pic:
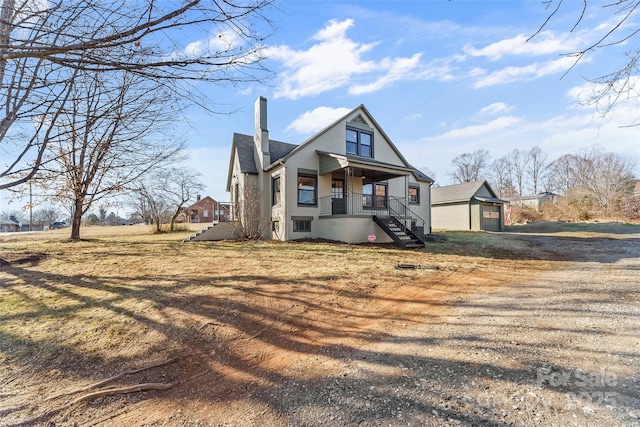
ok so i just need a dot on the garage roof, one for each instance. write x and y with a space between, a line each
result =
463 193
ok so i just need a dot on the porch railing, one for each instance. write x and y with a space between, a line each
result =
367 204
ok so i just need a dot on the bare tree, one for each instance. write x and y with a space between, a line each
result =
469 166
157 208
162 195
536 166
605 179
248 222
517 161
106 138
500 178
43 45
138 201
621 84
562 177
177 187
46 215
608 177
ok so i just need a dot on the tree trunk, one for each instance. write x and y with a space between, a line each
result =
76 220
172 225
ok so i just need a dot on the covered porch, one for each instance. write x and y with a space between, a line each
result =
367 188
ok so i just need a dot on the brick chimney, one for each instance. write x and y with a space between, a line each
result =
261 136
198 198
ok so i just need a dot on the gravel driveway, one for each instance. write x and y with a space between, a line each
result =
560 349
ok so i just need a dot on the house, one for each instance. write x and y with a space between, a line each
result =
535 202
13 224
468 206
203 210
347 182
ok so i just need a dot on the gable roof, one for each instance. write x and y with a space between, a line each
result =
200 202
243 146
463 193
358 119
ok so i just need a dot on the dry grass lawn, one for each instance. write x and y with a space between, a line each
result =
221 319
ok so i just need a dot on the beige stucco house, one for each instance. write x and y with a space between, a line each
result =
468 206
347 182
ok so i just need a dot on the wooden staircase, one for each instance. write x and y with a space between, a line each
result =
401 234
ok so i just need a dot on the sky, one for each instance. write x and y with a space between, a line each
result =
441 78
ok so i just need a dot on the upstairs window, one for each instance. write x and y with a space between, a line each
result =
359 142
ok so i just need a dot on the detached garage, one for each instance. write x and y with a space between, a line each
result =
468 206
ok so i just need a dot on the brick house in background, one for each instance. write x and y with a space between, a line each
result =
203 210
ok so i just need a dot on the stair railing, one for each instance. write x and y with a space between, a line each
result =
404 214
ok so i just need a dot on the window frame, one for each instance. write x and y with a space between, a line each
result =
417 197
274 180
314 202
298 222
358 143
373 196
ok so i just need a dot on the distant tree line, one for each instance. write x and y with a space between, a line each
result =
594 183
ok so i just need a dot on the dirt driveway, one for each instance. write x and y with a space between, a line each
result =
483 341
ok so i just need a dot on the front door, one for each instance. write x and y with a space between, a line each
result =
338 205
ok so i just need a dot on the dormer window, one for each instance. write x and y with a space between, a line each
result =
359 142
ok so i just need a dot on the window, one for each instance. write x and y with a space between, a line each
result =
359 143
276 195
302 225
337 189
381 196
307 189
367 195
205 213
374 195
414 195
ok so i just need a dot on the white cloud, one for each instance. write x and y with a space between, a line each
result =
569 134
526 73
543 44
628 87
316 119
397 69
495 108
335 60
475 131
222 42
194 49
326 65
558 135
413 117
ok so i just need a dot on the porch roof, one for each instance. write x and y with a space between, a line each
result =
374 169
